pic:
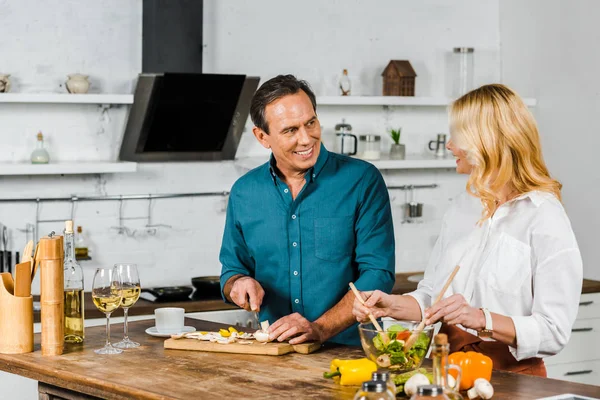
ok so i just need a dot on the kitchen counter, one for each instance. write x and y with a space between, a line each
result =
144 307
151 372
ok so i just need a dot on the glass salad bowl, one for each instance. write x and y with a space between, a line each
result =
389 352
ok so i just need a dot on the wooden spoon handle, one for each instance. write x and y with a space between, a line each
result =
384 335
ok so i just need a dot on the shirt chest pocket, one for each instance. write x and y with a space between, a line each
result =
334 238
508 265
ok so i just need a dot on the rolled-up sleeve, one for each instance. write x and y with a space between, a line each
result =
375 244
556 293
235 256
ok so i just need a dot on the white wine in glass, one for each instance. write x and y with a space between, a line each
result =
131 293
107 295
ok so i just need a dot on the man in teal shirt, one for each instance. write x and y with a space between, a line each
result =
303 226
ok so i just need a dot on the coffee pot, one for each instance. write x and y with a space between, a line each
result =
345 142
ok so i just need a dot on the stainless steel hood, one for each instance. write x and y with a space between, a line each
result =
179 113
187 117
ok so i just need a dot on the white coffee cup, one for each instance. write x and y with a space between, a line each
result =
169 319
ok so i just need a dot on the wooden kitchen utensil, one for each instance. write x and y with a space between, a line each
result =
23 279
16 319
384 336
27 251
50 256
35 262
268 349
415 334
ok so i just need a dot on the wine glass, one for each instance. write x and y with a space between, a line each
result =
107 295
131 293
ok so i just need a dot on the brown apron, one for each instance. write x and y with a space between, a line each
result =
502 358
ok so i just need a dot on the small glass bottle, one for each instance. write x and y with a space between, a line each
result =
429 392
81 248
463 67
40 155
439 354
374 390
385 376
73 291
344 84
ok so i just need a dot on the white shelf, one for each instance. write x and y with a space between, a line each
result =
66 98
392 101
412 161
67 168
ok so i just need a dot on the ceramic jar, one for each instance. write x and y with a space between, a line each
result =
4 83
78 83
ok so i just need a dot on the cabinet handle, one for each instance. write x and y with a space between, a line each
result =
583 372
582 329
586 303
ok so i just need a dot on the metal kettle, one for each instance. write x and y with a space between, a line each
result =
346 142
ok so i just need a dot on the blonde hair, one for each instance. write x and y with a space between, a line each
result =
501 139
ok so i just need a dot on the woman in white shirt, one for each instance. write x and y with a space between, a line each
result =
516 295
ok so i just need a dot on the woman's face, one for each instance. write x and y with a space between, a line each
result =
462 165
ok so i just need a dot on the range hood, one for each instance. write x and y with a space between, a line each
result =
179 113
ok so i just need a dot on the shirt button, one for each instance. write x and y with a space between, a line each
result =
296 273
314 175
293 216
285 190
296 301
294 244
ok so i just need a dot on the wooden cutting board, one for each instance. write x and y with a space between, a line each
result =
268 349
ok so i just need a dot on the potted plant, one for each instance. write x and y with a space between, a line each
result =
397 150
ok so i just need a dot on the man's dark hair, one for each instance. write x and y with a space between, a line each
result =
274 89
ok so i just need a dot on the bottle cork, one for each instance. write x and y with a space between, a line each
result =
440 339
69 226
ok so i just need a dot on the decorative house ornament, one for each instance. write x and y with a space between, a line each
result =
399 79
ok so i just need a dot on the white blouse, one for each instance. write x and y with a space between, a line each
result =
523 263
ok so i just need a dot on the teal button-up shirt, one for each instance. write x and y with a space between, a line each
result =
304 252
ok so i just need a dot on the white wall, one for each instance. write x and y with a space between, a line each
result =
45 41
549 52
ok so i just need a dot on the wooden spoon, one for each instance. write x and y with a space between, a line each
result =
413 337
384 336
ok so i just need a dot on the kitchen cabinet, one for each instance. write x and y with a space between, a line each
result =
74 167
579 361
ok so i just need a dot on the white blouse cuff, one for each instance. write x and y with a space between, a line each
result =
528 337
422 298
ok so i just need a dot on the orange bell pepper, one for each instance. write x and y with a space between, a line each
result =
473 365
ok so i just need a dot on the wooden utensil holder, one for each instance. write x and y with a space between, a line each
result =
16 319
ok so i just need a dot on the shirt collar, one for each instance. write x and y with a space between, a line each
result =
312 173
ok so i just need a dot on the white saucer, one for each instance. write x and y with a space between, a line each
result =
153 332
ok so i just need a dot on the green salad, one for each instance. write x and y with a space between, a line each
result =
392 355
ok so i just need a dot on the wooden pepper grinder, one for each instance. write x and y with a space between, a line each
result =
51 257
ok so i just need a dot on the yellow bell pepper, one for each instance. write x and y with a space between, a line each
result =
351 372
473 365
232 329
224 332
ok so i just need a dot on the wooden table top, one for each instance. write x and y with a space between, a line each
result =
151 372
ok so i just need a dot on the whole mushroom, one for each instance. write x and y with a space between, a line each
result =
411 385
481 389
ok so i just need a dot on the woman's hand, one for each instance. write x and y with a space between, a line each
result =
455 310
377 303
